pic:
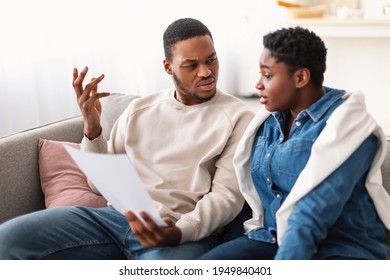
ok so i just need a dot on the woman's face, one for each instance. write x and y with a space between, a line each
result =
277 87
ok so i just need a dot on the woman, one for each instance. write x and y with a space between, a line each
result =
309 163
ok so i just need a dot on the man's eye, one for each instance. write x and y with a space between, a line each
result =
190 66
211 60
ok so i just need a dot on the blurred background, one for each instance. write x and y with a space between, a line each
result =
42 40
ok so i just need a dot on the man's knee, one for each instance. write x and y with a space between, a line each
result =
11 236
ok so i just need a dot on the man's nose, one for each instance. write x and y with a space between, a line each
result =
204 71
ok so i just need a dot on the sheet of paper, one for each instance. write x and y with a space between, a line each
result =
117 180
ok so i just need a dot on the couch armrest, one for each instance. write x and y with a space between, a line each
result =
20 188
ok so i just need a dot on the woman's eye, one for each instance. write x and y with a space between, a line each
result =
267 76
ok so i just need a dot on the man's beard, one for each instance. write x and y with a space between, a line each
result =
180 86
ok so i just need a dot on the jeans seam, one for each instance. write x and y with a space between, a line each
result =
125 247
72 245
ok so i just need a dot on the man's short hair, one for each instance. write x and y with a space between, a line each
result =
299 48
183 29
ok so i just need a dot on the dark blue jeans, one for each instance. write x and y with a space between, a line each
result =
84 233
242 248
237 246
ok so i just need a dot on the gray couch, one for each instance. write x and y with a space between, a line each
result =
20 186
20 190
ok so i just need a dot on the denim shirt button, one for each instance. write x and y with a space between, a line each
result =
298 123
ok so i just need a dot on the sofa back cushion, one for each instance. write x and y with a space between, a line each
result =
20 188
112 107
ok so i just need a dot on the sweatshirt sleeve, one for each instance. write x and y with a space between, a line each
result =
102 145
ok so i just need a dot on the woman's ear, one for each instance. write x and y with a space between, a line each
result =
167 66
302 77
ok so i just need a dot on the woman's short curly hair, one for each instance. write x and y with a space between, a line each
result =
299 48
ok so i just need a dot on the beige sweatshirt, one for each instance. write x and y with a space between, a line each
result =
183 155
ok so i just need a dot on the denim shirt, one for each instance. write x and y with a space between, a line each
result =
335 219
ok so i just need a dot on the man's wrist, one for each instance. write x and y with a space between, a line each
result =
93 135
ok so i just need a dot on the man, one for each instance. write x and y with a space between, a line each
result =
180 141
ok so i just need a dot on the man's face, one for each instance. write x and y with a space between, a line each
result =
194 68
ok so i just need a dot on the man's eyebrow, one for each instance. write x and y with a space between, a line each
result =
192 60
214 54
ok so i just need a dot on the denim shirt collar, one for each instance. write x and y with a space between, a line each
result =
318 109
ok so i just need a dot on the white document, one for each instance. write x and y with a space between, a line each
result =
117 180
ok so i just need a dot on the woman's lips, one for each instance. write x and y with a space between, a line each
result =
263 99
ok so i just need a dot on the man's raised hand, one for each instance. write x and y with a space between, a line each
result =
88 101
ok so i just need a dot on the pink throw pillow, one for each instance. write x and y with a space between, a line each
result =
62 182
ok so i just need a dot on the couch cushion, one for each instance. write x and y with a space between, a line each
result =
20 187
62 182
112 107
